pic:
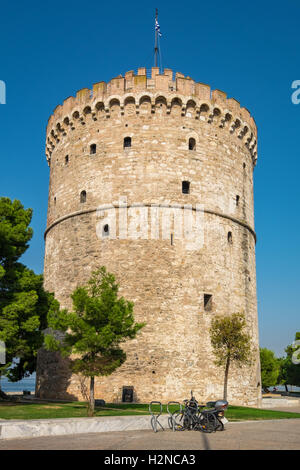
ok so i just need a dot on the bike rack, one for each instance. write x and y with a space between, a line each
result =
155 415
186 414
170 418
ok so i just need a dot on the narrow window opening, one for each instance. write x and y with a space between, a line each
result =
229 237
127 142
207 302
66 159
192 144
83 197
244 165
172 239
237 199
106 230
185 187
54 200
93 149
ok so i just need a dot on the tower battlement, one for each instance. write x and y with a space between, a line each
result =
189 98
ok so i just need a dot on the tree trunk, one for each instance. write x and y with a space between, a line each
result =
3 395
92 397
226 378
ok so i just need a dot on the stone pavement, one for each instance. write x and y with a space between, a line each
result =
281 434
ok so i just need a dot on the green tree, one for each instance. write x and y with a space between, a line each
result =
270 366
289 373
93 332
23 302
230 343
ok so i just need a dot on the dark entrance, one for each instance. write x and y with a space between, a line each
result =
127 395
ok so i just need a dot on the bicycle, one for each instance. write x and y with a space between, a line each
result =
194 417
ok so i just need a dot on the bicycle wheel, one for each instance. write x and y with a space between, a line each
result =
188 422
220 425
207 423
178 421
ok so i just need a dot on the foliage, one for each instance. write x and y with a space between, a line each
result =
228 339
230 342
289 371
100 321
270 366
23 302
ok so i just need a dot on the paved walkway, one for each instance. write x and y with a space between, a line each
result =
271 435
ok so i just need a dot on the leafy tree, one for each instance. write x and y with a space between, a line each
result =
92 333
283 376
289 367
269 367
23 302
231 344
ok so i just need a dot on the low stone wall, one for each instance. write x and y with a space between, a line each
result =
279 402
15 429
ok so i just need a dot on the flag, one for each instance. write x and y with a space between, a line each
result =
157 27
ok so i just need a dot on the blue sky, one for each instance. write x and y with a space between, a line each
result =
49 50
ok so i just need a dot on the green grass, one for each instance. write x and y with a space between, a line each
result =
242 413
60 410
79 410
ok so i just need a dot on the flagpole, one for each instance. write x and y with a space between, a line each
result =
156 32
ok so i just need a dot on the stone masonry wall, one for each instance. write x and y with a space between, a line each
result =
164 277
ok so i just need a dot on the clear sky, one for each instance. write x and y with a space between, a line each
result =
49 50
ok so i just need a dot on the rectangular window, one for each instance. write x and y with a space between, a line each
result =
185 187
127 142
207 302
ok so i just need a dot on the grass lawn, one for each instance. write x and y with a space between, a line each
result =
79 410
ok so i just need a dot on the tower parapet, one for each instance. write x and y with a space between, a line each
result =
192 99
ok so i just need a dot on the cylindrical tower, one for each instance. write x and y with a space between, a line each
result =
122 156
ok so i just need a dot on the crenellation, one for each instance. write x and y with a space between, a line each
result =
116 86
159 83
140 82
83 95
129 75
202 91
99 90
169 74
219 96
154 72
162 82
185 86
233 105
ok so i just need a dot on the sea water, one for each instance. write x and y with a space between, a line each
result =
28 383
